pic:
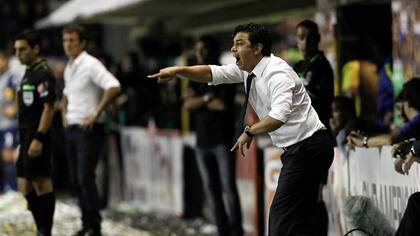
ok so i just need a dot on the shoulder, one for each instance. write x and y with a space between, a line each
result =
90 60
43 69
324 61
277 67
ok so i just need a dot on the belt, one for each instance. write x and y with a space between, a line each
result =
74 126
317 133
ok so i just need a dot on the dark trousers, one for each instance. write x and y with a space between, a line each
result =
295 201
217 168
409 224
83 148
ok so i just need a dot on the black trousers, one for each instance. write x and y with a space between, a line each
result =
409 224
305 165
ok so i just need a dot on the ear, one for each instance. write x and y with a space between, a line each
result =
37 48
258 48
84 44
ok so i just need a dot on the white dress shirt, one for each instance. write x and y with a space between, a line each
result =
85 80
276 91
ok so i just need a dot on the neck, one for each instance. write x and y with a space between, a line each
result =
257 60
73 57
309 55
34 62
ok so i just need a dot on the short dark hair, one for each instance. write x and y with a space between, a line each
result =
257 34
80 30
411 93
312 27
32 37
4 53
344 103
213 48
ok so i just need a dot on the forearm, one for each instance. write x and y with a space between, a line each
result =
107 97
46 118
266 125
194 102
200 73
380 140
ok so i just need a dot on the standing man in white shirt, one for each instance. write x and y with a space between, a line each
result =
86 78
284 108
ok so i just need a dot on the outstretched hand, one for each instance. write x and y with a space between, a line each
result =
164 75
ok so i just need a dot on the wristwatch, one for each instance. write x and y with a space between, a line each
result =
365 141
413 152
246 131
207 97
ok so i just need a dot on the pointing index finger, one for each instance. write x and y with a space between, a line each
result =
154 76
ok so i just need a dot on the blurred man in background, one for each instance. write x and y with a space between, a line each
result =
86 78
214 124
8 124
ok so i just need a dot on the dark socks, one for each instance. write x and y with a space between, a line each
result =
47 205
33 206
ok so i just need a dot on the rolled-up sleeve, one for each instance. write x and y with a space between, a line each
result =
102 77
226 74
281 96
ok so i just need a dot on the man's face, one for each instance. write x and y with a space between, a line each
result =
72 44
201 52
246 55
306 41
402 109
337 116
25 53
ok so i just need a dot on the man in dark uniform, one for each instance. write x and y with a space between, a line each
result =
315 70
318 78
36 98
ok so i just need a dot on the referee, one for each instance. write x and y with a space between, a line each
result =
36 98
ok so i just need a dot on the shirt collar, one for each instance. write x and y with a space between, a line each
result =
41 62
79 58
260 67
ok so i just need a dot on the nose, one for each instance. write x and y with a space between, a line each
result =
233 48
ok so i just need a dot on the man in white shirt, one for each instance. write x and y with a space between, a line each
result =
279 98
85 79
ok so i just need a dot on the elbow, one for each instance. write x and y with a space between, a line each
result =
116 90
277 124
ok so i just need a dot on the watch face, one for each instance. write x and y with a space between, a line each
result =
246 128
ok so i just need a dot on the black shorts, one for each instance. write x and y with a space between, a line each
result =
30 168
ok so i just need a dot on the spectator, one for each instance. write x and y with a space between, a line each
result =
8 124
409 223
343 121
410 108
214 123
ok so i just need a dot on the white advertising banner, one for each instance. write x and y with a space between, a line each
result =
372 174
153 169
366 172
